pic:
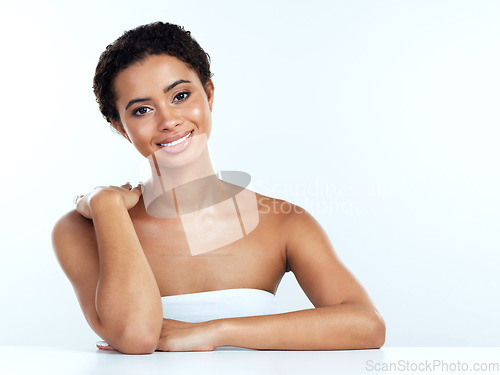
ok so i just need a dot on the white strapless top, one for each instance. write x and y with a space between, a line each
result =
219 304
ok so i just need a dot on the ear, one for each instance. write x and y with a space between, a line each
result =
209 90
118 126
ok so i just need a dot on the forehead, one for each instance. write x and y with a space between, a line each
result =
154 72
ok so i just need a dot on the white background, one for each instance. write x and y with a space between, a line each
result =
379 117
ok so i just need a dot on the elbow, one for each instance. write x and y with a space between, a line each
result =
138 348
377 331
137 343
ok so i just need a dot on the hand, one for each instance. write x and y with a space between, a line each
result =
129 196
178 336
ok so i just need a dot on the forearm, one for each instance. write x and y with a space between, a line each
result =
344 326
128 301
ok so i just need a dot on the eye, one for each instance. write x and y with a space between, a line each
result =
181 96
141 111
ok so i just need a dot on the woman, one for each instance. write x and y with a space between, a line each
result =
149 262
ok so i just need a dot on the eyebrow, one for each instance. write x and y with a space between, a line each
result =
170 87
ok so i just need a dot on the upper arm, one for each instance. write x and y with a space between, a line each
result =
75 246
317 268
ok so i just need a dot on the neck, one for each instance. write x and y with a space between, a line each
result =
176 190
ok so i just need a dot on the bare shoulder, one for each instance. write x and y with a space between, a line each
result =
280 211
281 220
72 223
277 214
293 222
311 256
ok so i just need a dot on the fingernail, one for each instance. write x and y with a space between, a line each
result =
127 183
102 343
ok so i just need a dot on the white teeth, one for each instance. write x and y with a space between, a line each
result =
175 142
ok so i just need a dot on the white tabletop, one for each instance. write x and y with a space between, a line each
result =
58 360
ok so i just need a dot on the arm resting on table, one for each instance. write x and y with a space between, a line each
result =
109 271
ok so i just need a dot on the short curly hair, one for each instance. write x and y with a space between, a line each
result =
135 45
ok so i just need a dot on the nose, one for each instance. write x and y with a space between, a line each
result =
168 117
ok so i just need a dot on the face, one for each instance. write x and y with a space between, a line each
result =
159 100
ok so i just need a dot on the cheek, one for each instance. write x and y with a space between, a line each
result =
139 137
202 116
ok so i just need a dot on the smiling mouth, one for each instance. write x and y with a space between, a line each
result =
176 142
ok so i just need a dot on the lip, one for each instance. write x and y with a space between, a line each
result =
181 146
175 137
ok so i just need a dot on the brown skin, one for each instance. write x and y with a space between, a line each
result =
286 238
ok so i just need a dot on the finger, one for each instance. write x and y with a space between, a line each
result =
127 185
137 190
105 347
